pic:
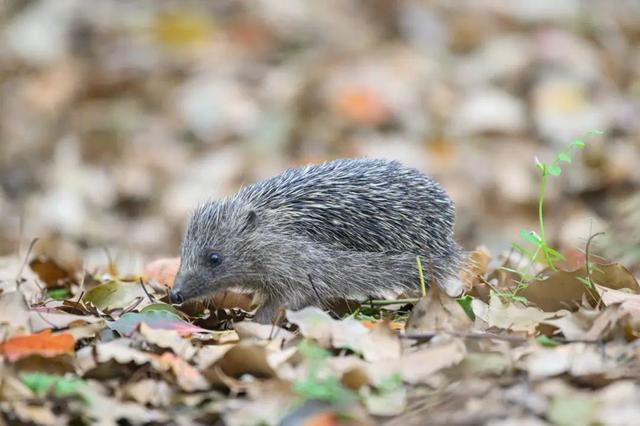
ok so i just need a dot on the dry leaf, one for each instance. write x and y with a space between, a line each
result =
437 312
564 290
14 313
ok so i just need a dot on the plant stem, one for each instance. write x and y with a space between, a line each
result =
543 187
423 286
393 302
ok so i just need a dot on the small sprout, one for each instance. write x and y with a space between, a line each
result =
554 169
541 250
530 236
578 143
563 157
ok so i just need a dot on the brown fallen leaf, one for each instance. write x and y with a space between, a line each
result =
577 359
187 377
574 325
629 302
412 367
476 266
169 339
248 330
591 325
51 272
35 413
437 312
509 315
418 366
148 391
564 290
41 319
381 343
246 358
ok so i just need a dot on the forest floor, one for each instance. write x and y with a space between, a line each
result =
82 347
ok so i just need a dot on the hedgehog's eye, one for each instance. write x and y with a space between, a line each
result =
214 258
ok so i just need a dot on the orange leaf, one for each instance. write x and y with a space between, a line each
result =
162 271
394 325
44 344
362 106
321 419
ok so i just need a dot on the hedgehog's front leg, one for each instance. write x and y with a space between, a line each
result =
267 313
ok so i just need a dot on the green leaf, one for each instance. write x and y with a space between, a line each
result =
520 299
530 236
465 302
563 156
59 293
586 282
546 341
128 323
554 170
161 307
513 271
311 351
522 250
43 383
578 143
327 388
556 255
114 294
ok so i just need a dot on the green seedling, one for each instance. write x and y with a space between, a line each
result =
535 246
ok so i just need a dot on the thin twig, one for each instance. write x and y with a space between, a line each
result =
151 299
392 302
26 260
275 324
45 320
137 301
588 264
79 299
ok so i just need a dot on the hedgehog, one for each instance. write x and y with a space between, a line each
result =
348 228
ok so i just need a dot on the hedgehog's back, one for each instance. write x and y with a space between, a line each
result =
362 205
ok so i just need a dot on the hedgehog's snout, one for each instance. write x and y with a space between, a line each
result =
187 285
175 296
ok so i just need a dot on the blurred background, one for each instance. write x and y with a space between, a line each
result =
117 117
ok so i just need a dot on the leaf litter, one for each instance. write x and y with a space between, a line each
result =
114 342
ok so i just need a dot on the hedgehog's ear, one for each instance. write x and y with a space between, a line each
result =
251 221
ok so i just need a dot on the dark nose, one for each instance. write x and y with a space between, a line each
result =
176 297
